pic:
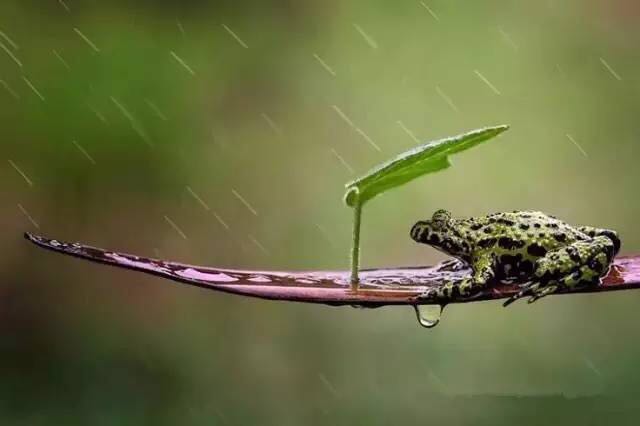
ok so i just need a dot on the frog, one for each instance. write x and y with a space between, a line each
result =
543 254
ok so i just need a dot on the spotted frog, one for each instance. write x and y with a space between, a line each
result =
544 253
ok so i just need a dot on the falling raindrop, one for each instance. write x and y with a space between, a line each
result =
428 315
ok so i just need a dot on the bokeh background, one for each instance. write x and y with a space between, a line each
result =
121 120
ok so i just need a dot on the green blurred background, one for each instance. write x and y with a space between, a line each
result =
118 112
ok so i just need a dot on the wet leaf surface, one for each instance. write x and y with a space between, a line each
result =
379 287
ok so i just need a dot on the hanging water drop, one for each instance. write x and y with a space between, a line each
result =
428 315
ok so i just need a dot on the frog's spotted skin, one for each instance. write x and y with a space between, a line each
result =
527 246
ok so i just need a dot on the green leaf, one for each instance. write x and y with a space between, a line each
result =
428 158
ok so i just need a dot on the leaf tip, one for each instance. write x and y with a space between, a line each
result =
502 128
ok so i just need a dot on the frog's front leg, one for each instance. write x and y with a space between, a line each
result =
580 264
483 273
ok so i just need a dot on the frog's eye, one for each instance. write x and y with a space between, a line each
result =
440 219
441 216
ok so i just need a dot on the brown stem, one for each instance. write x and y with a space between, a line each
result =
378 287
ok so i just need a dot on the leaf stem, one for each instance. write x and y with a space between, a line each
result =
355 245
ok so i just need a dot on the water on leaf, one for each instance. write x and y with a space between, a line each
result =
428 315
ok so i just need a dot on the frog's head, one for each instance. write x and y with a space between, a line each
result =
441 233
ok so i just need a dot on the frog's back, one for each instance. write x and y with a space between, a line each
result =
519 230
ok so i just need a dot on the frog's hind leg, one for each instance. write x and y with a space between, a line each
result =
580 264
599 232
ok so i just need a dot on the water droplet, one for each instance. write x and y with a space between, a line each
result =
428 315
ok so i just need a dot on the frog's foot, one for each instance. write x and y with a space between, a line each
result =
440 293
582 278
448 291
534 289
542 292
